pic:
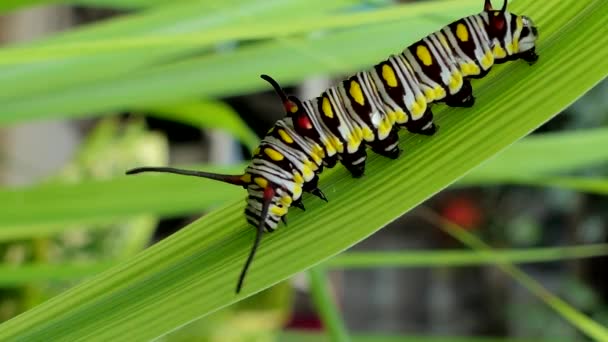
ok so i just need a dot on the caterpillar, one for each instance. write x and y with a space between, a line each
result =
368 109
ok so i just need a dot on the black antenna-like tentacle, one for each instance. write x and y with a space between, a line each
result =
288 104
268 195
230 179
276 86
504 6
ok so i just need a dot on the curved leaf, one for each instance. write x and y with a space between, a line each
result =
193 272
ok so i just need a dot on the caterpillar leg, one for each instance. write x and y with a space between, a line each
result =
463 98
389 147
298 204
312 188
330 162
424 125
355 162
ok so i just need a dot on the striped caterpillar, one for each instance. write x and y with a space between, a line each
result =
368 109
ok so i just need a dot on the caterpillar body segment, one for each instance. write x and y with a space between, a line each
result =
367 110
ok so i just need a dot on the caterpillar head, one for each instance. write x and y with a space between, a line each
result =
513 36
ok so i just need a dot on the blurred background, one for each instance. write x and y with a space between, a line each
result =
57 151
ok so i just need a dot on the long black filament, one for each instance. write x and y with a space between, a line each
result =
258 237
231 179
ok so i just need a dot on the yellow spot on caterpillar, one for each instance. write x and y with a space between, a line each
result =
430 94
400 117
439 93
297 191
285 137
424 55
470 69
356 93
444 41
286 200
261 182
385 128
246 178
514 47
499 52
368 135
359 133
455 82
326 106
311 165
318 151
520 23
389 76
316 158
293 108
307 172
462 32
338 144
488 60
279 211
273 154
419 107
392 117
353 142
329 147
297 177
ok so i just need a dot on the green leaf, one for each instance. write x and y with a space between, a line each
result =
11 5
534 157
193 272
325 304
292 336
79 67
461 258
124 4
28 273
110 81
30 212
578 319
47 209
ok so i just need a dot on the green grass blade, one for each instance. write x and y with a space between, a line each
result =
255 30
292 336
124 4
24 274
91 201
20 275
36 79
598 186
325 305
585 324
355 260
193 272
533 157
11 5
204 76
44 210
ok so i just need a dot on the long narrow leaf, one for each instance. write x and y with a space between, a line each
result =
193 272
578 319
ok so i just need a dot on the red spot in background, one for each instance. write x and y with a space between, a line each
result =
304 321
463 212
